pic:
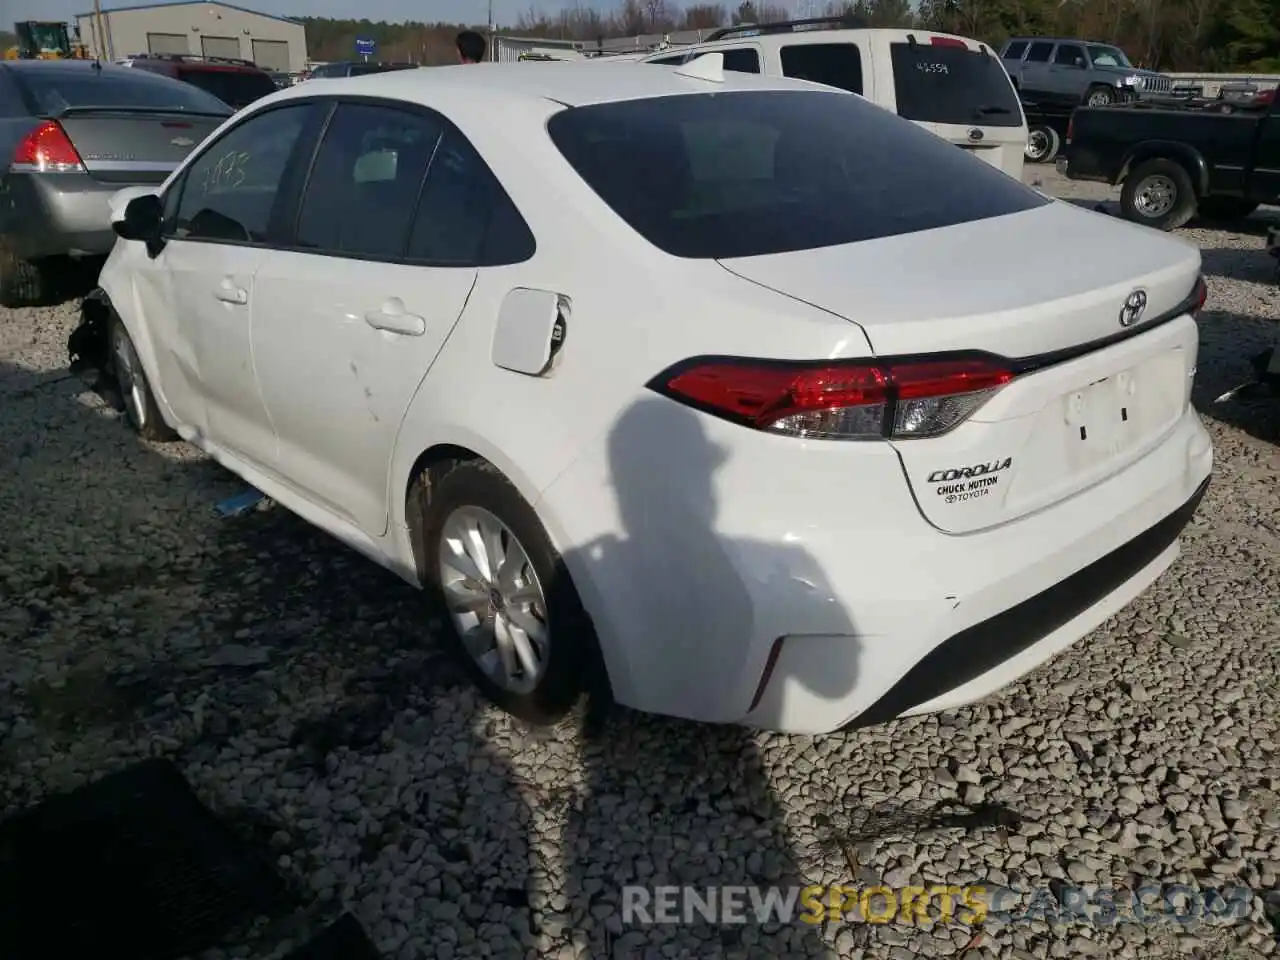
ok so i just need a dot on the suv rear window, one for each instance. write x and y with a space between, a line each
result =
236 87
741 174
936 84
56 90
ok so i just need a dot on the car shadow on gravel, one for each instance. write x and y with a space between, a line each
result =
669 803
1227 343
1237 263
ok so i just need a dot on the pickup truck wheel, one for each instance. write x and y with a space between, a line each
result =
1100 97
1043 144
1158 194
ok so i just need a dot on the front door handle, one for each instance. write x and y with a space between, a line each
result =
228 292
396 321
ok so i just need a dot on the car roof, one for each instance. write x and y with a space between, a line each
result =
569 83
1090 43
891 34
71 67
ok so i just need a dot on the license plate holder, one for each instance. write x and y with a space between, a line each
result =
1102 420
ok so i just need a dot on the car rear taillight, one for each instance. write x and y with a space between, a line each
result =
843 400
1199 296
46 149
948 42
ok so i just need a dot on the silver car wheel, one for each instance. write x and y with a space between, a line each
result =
495 599
1155 196
129 376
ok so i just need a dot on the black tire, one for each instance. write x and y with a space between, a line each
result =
1225 208
139 404
1141 200
23 283
1043 144
572 655
1100 96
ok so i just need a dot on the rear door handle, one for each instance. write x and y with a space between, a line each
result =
228 292
406 324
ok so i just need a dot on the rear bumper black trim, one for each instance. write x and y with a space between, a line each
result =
977 649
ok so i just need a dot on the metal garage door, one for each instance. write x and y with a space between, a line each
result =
160 43
271 55
220 47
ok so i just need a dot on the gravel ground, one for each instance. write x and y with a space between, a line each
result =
299 689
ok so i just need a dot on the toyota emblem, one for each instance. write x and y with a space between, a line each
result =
975 134
1135 305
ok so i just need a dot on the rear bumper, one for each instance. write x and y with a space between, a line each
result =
51 214
975 660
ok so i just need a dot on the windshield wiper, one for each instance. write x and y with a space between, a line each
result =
984 111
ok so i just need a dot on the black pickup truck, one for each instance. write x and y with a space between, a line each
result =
1176 163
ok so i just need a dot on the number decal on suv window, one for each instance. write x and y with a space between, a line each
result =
932 68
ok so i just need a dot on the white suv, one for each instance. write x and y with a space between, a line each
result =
951 86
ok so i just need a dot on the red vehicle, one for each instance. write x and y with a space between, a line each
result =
236 83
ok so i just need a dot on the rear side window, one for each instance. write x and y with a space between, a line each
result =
1016 50
365 181
744 60
669 61
465 218
950 85
56 90
236 87
1069 55
835 64
1039 52
749 173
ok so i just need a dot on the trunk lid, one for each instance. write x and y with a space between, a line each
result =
119 145
1091 396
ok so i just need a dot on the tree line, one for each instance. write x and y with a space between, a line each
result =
1175 35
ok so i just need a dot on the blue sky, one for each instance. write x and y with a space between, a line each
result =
449 11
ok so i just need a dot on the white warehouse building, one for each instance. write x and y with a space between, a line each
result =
197 27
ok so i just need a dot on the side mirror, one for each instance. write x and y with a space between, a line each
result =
141 220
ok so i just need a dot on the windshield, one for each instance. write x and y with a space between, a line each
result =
1108 56
946 84
747 173
236 87
56 90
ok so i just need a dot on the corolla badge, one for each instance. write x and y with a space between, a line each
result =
181 141
1135 305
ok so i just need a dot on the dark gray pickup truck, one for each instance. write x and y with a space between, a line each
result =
1173 164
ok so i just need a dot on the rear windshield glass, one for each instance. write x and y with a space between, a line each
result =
949 85
55 91
231 86
747 173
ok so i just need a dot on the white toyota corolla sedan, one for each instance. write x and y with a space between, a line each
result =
743 394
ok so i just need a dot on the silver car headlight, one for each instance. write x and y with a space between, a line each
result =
1131 81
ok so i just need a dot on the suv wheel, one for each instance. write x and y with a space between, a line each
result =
1100 97
1159 194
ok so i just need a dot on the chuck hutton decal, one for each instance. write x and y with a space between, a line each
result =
968 483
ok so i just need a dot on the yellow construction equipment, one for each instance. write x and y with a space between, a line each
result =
45 40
